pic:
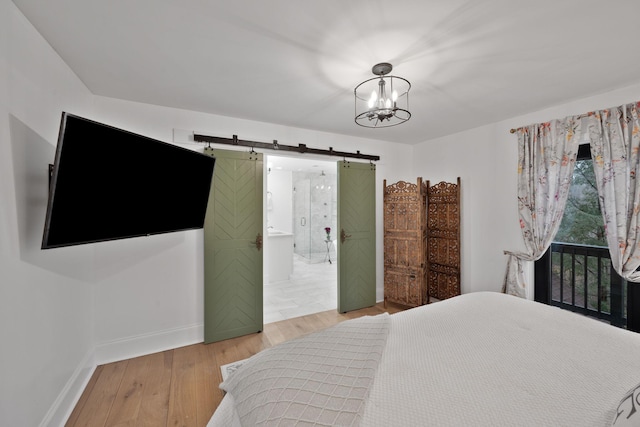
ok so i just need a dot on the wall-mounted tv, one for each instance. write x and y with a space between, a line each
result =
108 183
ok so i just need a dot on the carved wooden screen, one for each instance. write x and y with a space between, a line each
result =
405 243
443 239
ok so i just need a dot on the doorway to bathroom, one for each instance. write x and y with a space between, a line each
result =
300 265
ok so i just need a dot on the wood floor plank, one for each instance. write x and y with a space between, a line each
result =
180 387
126 405
330 318
155 398
253 344
206 382
226 351
216 393
293 328
319 322
272 331
182 397
96 410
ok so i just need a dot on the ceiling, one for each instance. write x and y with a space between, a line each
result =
296 63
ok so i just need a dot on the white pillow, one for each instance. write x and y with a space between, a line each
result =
319 379
628 411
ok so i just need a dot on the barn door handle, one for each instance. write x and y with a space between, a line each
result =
258 241
344 236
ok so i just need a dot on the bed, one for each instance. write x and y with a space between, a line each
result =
482 359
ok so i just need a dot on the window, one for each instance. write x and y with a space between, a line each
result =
582 221
576 272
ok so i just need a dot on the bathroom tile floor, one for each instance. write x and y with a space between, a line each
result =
310 289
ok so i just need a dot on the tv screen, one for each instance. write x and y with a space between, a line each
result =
108 183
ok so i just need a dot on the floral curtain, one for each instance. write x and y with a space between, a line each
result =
546 157
615 150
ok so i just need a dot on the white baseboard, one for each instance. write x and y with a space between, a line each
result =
61 409
141 345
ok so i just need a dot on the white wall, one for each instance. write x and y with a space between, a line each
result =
45 298
159 300
485 158
280 211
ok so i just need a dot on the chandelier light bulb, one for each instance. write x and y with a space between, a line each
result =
373 99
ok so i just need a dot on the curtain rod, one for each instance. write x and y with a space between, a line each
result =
579 116
300 148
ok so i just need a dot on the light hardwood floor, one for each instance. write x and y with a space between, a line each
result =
179 387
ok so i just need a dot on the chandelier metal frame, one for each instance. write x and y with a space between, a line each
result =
375 107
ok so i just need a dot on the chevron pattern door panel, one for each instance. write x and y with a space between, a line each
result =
232 247
357 242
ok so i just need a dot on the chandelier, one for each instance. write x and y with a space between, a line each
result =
382 101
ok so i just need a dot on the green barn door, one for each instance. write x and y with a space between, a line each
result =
357 240
233 247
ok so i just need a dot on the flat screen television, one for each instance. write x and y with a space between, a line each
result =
108 183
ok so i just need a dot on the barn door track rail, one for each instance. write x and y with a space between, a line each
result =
300 148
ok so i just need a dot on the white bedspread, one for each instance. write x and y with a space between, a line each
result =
489 359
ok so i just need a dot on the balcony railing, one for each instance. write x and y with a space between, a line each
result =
581 278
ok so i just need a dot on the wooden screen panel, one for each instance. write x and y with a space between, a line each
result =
443 239
405 243
404 286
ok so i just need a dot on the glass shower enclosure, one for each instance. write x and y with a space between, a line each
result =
314 211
